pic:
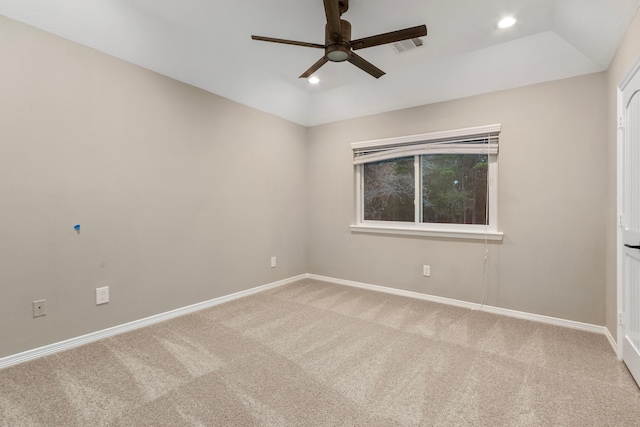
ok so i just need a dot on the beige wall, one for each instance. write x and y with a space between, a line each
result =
551 190
628 51
182 196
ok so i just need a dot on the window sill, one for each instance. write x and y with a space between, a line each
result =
427 232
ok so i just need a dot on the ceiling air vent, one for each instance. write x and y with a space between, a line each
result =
405 45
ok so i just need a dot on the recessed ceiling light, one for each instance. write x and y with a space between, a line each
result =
507 22
314 80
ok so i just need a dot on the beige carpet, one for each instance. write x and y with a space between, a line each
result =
319 354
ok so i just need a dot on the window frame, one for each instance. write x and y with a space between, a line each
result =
417 228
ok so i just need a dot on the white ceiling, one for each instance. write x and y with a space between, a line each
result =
207 43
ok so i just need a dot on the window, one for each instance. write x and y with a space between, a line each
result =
438 184
389 190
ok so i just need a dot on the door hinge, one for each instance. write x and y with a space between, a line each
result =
621 221
621 122
620 318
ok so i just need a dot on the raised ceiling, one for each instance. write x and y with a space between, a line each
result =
207 43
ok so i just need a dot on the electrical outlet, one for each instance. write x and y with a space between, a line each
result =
426 270
40 308
273 262
102 295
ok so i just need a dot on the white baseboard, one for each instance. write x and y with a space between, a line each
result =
612 341
474 306
136 324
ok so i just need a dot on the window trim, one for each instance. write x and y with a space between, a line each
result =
457 231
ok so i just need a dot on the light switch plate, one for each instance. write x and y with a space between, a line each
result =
102 295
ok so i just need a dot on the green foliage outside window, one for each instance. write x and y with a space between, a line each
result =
453 189
389 189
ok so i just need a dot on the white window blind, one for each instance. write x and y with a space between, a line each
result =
476 140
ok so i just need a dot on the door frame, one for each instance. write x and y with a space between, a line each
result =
626 79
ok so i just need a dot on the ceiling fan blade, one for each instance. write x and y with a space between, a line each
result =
365 65
314 68
392 37
283 41
334 28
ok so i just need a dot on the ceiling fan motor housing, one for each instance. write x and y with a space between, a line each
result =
338 51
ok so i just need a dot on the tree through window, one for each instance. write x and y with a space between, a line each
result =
389 190
454 188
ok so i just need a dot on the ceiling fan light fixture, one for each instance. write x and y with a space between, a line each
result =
506 22
338 53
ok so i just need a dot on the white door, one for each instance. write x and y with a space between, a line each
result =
630 125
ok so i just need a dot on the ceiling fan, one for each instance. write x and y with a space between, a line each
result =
338 45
